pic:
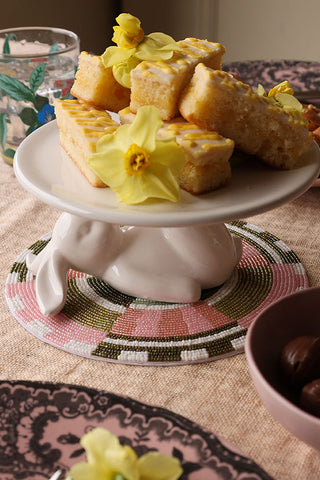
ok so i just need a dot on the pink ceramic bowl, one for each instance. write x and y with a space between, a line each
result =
292 316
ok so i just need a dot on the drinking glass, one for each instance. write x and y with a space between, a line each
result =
37 66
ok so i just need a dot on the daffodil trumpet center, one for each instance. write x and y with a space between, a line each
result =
126 39
136 160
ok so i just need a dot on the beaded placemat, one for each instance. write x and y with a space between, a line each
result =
102 323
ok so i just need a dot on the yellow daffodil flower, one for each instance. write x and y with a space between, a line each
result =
283 87
129 33
133 46
282 95
107 459
136 164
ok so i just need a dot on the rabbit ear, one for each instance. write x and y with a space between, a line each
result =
33 261
51 283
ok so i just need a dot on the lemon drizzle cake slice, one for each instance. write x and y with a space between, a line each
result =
215 100
81 126
161 82
96 85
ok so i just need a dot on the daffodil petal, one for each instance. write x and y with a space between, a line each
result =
164 40
109 167
261 91
159 182
129 23
122 138
283 87
121 71
145 127
105 141
85 471
114 55
123 460
131 191
156 46
156 466
169 154
108 161
136 190
153 55
289 101
96 442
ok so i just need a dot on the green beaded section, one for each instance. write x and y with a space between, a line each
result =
253 287
161 353
87 312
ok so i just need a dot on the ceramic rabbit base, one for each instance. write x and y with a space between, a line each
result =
166 264
102 323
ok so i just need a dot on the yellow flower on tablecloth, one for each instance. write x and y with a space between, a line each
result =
107 459
136 164
133 46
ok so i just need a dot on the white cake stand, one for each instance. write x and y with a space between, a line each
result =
190 249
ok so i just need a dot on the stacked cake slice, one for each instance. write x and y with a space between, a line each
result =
161 83
81 126
215 100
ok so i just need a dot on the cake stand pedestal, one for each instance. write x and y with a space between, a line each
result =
170 264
